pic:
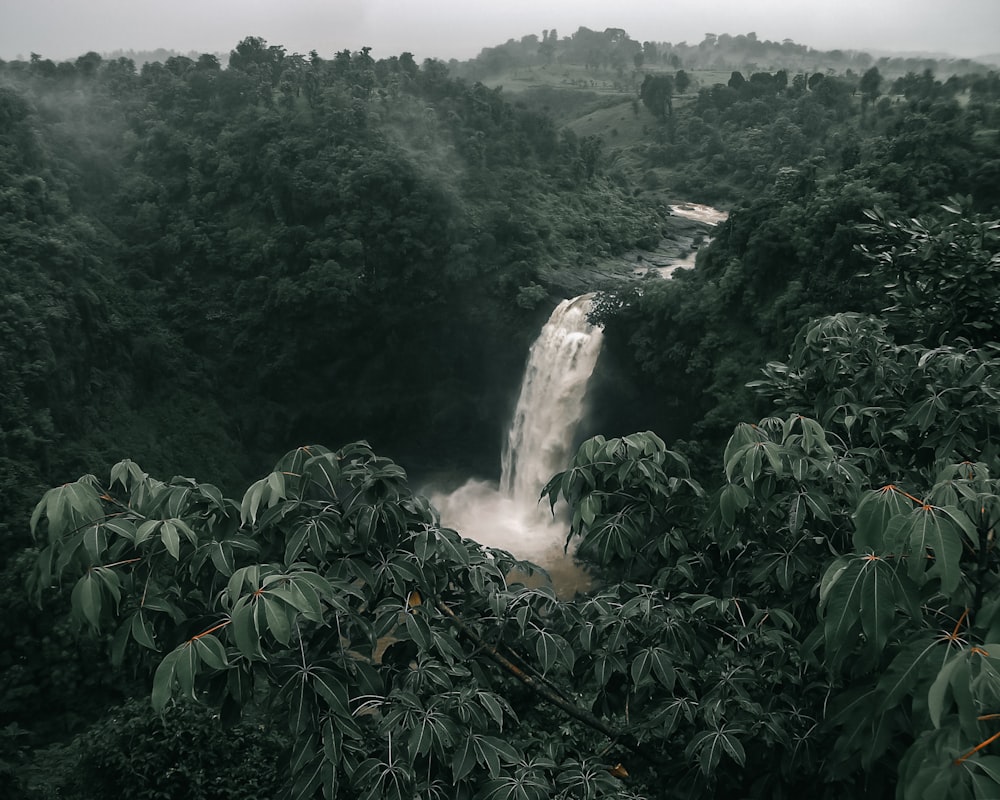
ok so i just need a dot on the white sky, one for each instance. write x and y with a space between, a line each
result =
60 29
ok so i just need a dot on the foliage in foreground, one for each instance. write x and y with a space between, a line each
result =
831 620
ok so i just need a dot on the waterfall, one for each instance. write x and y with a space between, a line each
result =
550 404
539 441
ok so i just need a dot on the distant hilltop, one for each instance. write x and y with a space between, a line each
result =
140 57
992 59
613 49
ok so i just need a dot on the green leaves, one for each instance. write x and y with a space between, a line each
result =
918 554
618 490
127 474
210 651
732 499
180 668
930 528
464 760
91 592
142 630
68 508
894 524
708 747
783 476
275 603
861 595
551 650
968 681
615 538
491 752
940 272
267 491
872 516
653 663
372 625
878 603
87 599
912 665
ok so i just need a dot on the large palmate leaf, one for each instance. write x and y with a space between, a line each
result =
862 596
930 528
871 519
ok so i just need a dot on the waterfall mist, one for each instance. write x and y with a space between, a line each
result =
539 443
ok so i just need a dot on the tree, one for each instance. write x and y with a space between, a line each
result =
870 86
657 93
261 62
681 81
904 624
941 273
88 64
547 48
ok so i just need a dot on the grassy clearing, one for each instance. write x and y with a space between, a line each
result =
597 103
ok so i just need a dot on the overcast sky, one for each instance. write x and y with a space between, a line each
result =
60 29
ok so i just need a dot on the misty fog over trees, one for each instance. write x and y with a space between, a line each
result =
252 308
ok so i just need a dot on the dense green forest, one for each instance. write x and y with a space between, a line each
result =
206 266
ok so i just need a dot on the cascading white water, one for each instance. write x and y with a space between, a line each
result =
549 408
550 405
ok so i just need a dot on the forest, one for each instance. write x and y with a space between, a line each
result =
251 308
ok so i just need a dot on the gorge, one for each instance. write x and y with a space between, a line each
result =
551 404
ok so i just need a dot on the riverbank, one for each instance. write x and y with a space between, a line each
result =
686 227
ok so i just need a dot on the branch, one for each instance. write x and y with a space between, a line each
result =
544 691
976 749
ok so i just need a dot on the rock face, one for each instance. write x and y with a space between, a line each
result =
687 228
